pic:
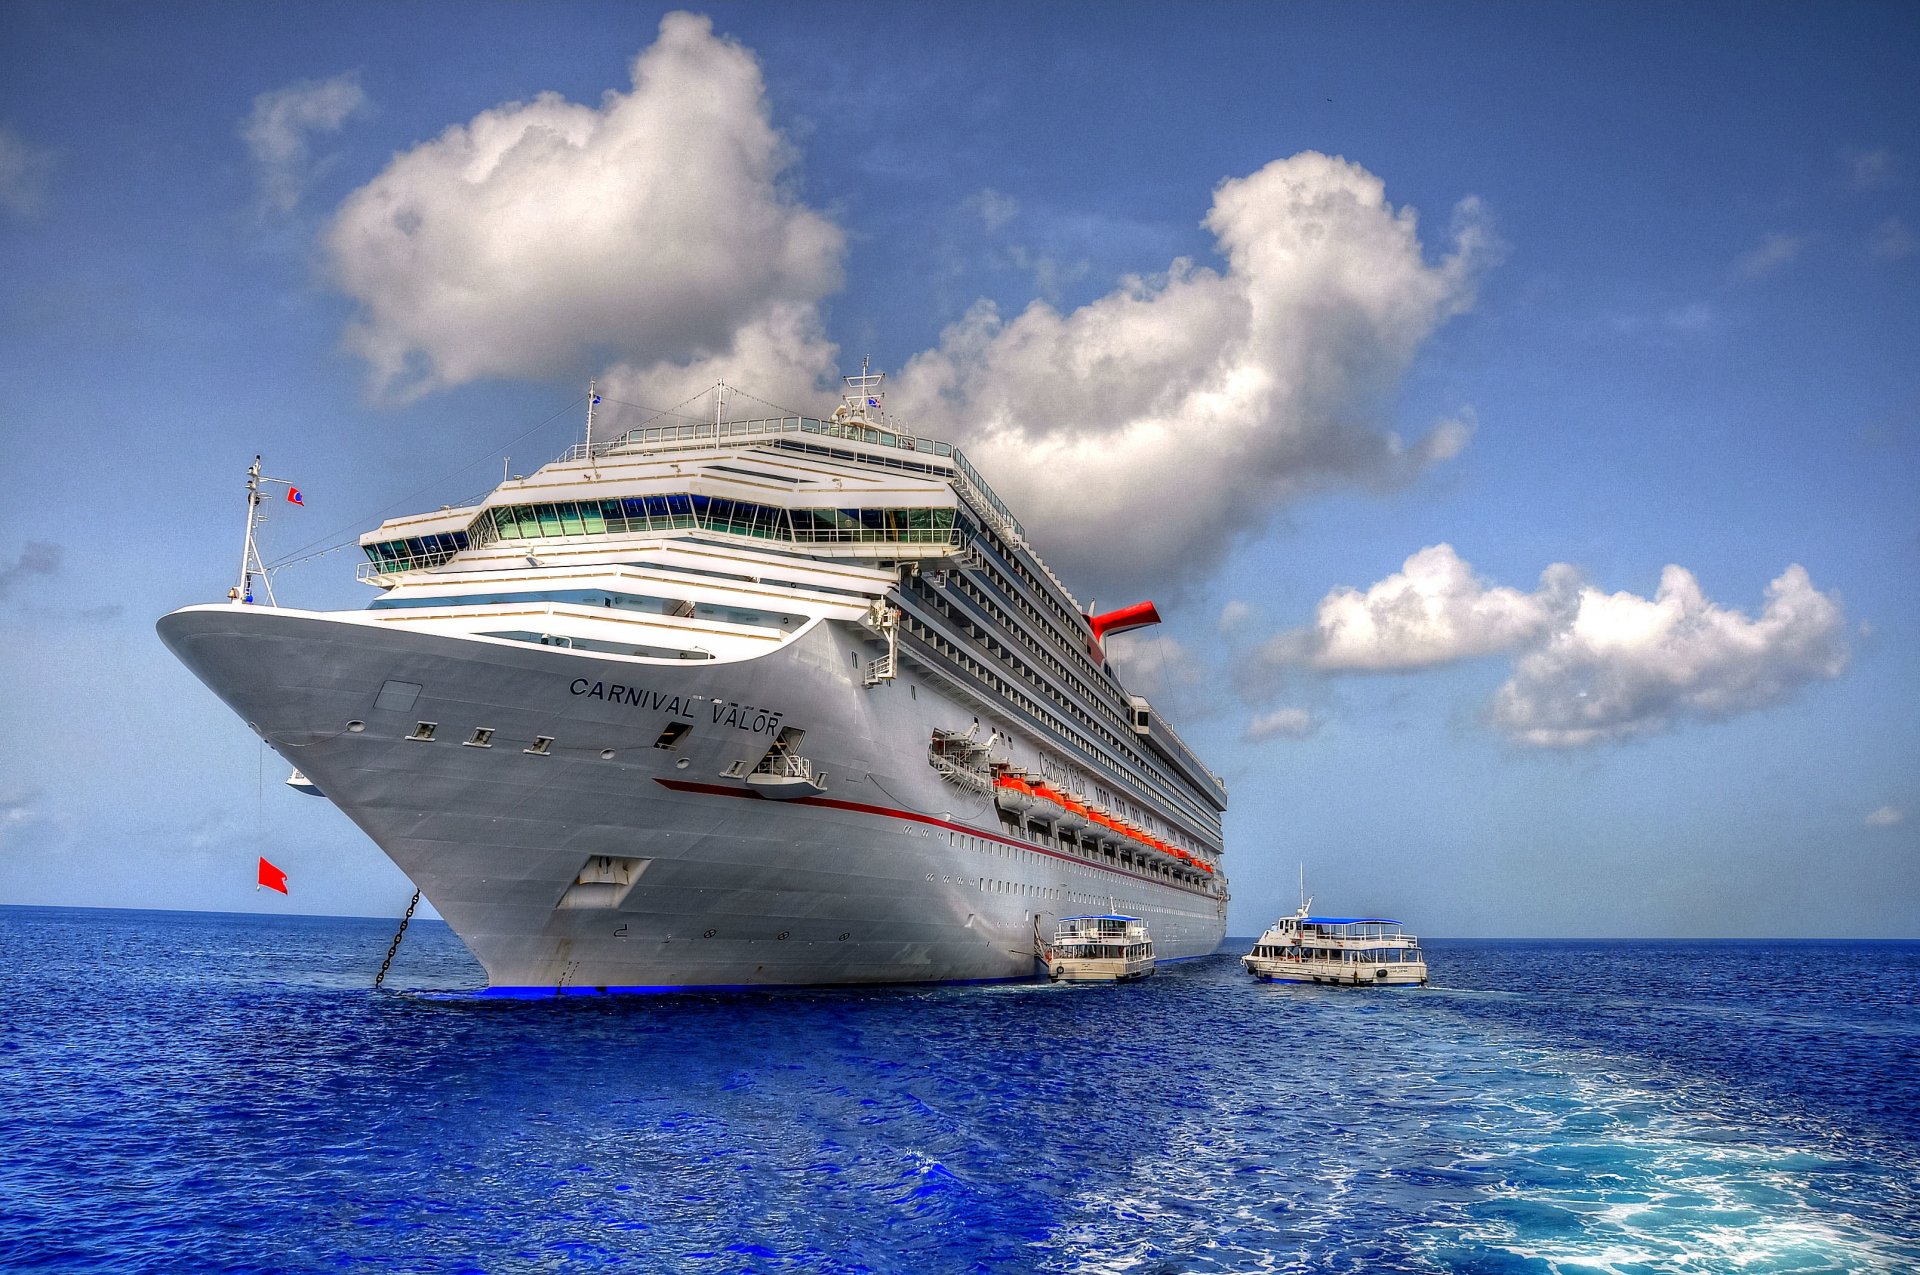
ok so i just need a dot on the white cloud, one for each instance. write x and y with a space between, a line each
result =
1773 252
1874 169
1188 406
1288 723
1234 616
1153 663
541 234
1434 610
280 132
24 174
994 208
1885 817
1891 240
18 809
1628 666
1590 667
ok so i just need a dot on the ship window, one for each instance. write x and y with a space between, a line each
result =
482 737
424 730
542 746
673 734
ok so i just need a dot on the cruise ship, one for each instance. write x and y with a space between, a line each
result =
734 702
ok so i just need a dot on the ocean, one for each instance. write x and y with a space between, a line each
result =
205 1092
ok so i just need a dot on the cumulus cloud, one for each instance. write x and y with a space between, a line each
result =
25 170
1187 406
37 558
1589 667
280 133
539 234
1885 817
1772 253
1628 666
1434 610
1281 723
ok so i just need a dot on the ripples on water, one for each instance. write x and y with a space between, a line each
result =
195 1092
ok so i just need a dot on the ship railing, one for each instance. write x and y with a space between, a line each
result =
375 572
973 488
785 764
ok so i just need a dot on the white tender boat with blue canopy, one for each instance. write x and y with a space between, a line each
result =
1100 949
1357 951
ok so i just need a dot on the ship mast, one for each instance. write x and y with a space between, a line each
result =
250 565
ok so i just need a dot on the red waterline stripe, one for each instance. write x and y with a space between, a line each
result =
887 812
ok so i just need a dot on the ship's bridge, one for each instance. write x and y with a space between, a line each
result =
777 497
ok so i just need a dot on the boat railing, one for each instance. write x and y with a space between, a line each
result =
967 481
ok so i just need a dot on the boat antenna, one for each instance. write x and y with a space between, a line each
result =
250 565
593 400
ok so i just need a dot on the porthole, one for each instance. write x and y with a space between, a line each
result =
424 730
606 754
683 763
356 726
542 746
482 737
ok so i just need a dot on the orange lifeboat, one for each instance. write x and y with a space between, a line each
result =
1013 794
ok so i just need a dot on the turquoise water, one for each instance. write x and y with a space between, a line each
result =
210 1092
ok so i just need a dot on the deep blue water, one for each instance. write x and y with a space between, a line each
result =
212 1092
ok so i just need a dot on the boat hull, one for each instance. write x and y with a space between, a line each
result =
1343 974
599 861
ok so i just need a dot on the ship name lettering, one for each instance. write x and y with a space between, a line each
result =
744 717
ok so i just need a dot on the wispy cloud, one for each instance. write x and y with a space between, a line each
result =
1774 252
993 208
1885 817
280 134
37 558
1589 667
1870 169
19 807
1281 723
1891 240
1234 616
26 173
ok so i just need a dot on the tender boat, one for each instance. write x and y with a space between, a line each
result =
1356 951
1100 949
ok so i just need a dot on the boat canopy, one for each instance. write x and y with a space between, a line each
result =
1348 920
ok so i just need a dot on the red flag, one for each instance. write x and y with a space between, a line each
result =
293 496
272 877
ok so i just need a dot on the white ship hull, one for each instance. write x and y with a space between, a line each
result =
888 874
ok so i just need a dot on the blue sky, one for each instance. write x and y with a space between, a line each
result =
1397 350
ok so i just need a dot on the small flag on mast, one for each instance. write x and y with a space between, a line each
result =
272 877
293 496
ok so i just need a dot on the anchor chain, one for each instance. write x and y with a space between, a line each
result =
398 934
